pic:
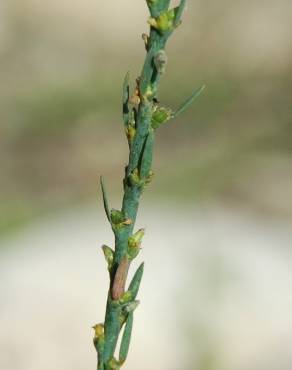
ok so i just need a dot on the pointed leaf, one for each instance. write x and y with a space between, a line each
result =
136 239
105 201
179 12
109 255
126 338
126 96
189 101
126 87
135 283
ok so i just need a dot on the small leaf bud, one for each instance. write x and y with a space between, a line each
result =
136 239
130 132
134 244
109 255
126 297
98 331
164 22
160 116
117 217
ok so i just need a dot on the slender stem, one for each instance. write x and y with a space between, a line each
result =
138 120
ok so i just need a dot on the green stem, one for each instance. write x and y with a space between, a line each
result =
137 175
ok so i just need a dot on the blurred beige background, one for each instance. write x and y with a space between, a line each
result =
218 211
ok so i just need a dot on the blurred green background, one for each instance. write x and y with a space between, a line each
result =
62 66
221 191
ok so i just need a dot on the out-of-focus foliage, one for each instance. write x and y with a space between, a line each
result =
61 72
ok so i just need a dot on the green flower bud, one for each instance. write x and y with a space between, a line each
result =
126 297
117 217
98 339
130 132
134 244
135 239
160 116
98 331
164 22
149 92
133 253
135 178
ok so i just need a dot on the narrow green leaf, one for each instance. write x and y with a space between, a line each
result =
126 87
135 282
105 201
179 12
126 338
126 96
146 156
189 101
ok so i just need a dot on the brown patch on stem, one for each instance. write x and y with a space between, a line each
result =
118 288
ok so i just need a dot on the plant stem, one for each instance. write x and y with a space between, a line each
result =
142 115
